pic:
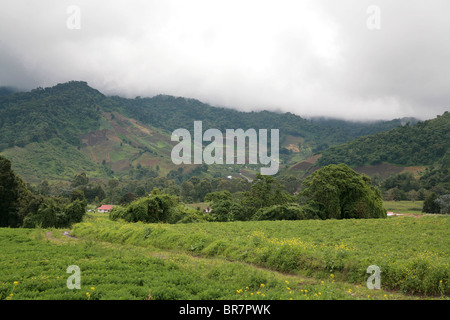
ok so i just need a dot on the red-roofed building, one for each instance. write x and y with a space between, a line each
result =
105 208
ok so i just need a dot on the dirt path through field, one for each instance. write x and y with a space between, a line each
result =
66 233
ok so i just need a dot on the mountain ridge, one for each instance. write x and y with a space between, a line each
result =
59 125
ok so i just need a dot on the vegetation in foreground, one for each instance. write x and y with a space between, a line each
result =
335 191
34 264
412 253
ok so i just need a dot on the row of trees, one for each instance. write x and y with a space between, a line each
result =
335 191
115 191
402 186
156 208
19 207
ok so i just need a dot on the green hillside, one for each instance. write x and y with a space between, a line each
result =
179 112
56 132
411 158
63 111
424 143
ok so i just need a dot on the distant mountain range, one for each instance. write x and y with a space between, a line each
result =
54 133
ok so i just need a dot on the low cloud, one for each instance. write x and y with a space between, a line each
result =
311 58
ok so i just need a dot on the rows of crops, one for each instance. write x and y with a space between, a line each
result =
34 265
412 253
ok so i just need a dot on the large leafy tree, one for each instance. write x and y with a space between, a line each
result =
12 193
80 180
266 191
337 191
19 208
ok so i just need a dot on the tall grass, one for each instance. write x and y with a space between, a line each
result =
413 253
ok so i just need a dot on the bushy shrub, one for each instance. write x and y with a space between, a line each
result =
226 210
155 209
430 205
291 211
444 203
48 212
117 212
75 211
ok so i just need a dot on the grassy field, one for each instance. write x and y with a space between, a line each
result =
404 207
238 260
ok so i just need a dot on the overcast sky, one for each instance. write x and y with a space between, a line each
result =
352 59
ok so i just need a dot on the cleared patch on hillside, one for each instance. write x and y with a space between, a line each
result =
293 143
385 170
416 171
126 142
305 164
306 167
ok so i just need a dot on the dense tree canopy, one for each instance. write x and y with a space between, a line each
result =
20 208
12 193
424 143
63 111
338 192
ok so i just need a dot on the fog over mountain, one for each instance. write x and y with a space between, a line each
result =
350 59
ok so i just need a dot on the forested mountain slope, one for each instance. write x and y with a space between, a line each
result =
56 132
424 143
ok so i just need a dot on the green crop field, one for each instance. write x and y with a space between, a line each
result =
234 260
